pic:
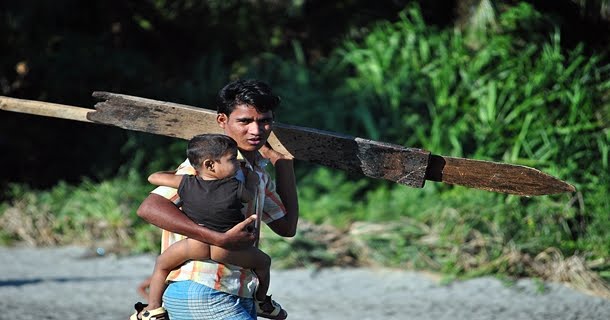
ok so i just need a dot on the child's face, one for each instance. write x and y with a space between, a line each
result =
227 166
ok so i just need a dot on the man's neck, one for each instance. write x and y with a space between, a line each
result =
249 155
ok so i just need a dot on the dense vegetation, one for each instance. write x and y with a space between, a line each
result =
503 86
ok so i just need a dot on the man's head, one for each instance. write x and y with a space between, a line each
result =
245 112
216 152
252 93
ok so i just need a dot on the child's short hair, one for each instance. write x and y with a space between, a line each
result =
208 146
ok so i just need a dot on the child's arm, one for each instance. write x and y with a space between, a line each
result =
165 178
249 189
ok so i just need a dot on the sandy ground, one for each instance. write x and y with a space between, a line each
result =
71 283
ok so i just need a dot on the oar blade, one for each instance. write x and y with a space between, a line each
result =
495 176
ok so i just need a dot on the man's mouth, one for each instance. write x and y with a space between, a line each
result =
254 141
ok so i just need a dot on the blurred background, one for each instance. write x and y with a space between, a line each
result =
523 82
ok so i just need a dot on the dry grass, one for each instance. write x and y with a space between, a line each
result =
472 253
472 256
36 225
574 271
32 225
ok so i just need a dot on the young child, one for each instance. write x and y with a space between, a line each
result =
214 198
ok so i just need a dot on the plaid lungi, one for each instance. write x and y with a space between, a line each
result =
189 300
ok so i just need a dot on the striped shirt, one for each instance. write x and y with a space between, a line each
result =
224 277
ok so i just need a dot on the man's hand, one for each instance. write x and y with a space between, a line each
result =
268 153
240 236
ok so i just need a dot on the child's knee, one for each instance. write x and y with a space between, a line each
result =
162 264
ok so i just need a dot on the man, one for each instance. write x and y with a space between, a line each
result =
207 289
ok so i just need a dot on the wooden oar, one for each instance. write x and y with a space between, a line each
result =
408 166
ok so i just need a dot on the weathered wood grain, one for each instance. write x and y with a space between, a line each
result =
494 176
46 109
371 158
406 166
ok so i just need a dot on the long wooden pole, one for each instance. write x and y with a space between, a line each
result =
408 166
45 109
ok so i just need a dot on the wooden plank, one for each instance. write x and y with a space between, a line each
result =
494 176
371 158
46 109
407 166
152 116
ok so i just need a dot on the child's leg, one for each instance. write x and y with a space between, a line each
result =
170 259
251 258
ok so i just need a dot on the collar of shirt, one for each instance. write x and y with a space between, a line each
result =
259 161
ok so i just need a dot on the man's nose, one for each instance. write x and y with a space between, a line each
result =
255 128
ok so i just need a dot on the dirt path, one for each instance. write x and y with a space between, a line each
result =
67 283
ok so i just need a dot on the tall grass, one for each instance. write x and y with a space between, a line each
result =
525 102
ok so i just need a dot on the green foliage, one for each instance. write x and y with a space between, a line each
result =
525 102
88 214
327 197
516 101
301 251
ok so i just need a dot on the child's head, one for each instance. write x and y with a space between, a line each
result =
215 152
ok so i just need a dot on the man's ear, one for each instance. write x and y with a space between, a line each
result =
222 119
208 164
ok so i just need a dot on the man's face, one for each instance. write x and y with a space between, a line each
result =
247 126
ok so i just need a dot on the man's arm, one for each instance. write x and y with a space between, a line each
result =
161 212
286 189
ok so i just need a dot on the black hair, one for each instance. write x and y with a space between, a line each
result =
253 93
209 146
